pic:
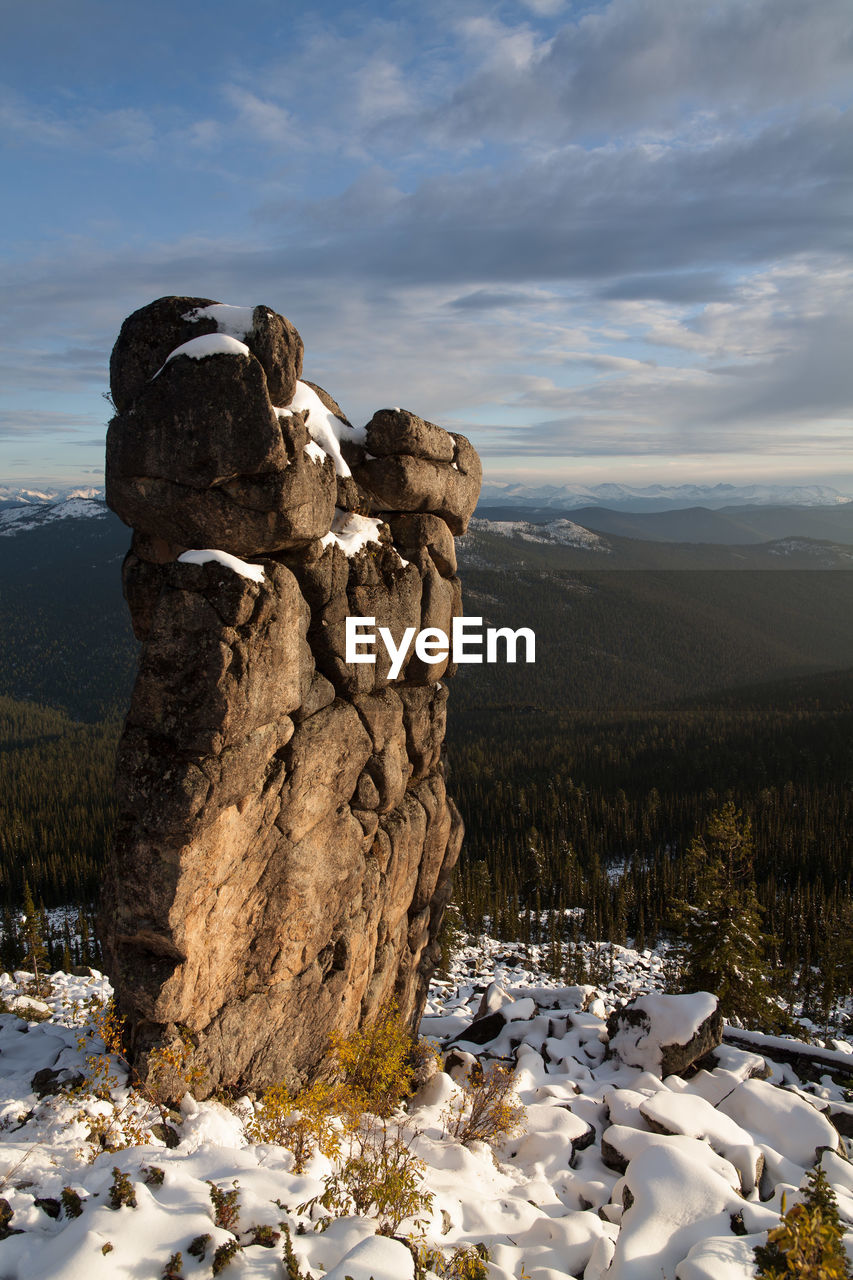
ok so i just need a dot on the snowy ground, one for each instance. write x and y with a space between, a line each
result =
617 1173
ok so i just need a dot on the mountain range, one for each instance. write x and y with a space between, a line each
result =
618 497
660 497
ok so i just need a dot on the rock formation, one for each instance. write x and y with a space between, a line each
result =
284 844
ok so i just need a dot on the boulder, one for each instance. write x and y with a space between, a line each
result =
665 1034
396 431
407 483
149 336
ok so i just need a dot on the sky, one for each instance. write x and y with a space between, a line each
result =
608 241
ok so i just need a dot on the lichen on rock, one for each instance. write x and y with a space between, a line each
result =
284 844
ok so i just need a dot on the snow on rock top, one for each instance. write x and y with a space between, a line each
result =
382 1258
324 427
314 452
642 1031
235 321
246 570
209 344
677 1203
788 1123
351 532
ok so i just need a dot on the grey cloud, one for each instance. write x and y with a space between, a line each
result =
608 214
640 65
490 299
26 422
670 286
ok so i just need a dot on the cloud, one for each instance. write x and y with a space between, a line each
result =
544 8
125 131
16 423
621 216
640 66
670 286
264 119
586 223
492 299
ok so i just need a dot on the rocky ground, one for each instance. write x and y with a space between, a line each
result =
630 1164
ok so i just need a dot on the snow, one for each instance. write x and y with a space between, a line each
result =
209 344
15 520
543 1202
377 1256
721 1258
236 322
324 428
315 453
677 1203
781 1119
351 532
207 556
671 1020
834 1057
693 1116
560 532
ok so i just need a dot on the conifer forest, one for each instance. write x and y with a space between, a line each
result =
682 747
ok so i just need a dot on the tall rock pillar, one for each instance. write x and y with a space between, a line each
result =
285 843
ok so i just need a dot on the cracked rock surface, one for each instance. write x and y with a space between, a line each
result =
285 842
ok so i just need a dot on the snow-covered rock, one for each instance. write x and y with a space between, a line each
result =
619 1174
782 1120
664 1033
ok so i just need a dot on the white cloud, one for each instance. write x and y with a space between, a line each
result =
264 119
127 130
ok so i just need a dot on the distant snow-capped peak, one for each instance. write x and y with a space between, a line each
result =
560 532
23 516
21 496
660 496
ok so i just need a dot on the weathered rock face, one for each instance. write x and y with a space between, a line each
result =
285 844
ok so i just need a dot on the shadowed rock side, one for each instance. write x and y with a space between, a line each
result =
285 844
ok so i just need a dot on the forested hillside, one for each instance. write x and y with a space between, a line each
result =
657 694
67 640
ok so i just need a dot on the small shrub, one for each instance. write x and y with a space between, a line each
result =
71 1202
223 1255
807 1244
174 1268
122 1127
265 1236
226 1206
291 1265
173 1070
303 1123
489 1110
465 1263
122 1193
153 1175
106 1248
374 1063
380 1178
197 1248
106 1023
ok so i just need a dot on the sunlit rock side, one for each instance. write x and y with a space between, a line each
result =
284 843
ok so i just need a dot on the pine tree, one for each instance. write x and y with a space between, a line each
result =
808 1243
32 934
723 941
